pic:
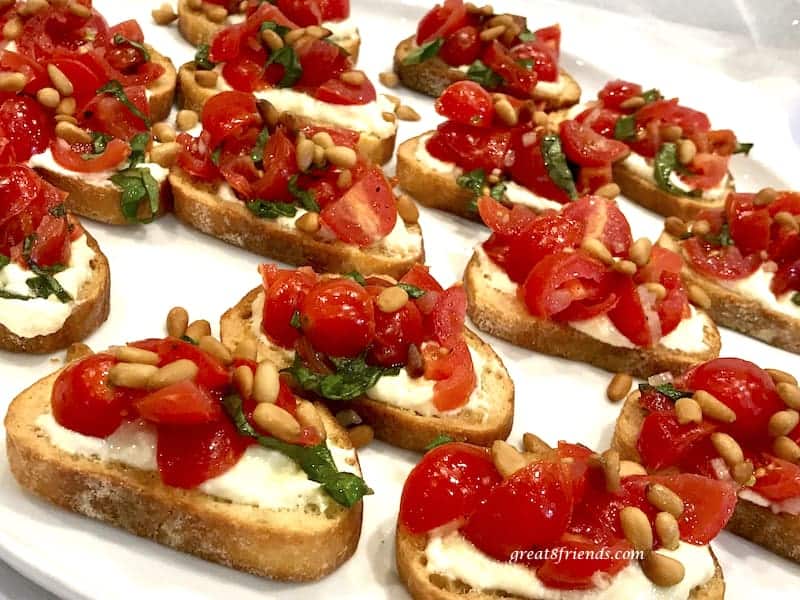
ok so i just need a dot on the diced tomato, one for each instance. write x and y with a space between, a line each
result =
780 479
212 375
27 125
321 62
52 244
420 277
600 120
787 278
517 80
588 148
50 32
543 59
25 200
674 307
249 72
603 221
447 318
105 113
335 10
448 484
472 147
503 220
303 12
615 92
661 261
285 290
580 560
229 114
529 169
636 313
395 332
85 81
663 442
231 42
707 171
454 373
336 91
724 262
34 72
749 225
195 156
441 21
280 163
462 47
115 154
468 103
786 202
183 403
340 137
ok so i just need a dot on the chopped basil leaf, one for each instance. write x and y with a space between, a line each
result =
483 75
271 210
59 210
120 39
556 163
281 30
439 440
138 144
743 148
100 141
304 197
625 128
651 95
44 285
258 150
425 52
201 59
413 291
12 296
292 69
114 88
215 156
665 162
189 340
136 185
796 298
498 191
4 261
526 63
474 182
353 377
27 245
356 276
295 322
527 36
723 238
669 390
316 461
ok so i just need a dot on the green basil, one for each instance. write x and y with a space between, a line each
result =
413 291
556 163
136 185
120 39
292 69
258 150
483 75
665 162
295 321
281 30
526 63
99 142
271 210
743 148
667 389
796 298
425 52
439 440
498 191
201 59
58 211
527 36
625 128
316 461
4 261
114 88
304 197
723 238
357 277
216 155
139 144
45 285
651 95
352 378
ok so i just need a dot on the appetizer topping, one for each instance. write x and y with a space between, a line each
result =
727 419
508 505
499 141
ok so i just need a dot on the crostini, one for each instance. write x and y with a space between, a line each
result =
500 146
157 438
297 70
396 353
574 284
744 261
200 20
54 280
678 165
729 420
296 193
457 41
475 523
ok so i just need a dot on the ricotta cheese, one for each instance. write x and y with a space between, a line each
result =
45 160
643 168
455 558
43 316
757 287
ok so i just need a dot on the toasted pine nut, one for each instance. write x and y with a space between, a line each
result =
272 39
77 350
317 32
206 79
294 36
243 379
667 530
671 133
598 250
627 267
31 7
506 112
619 387
12 29
609 190
66 119
308 416
633 103
786 219
728 448
131 354
266 384
507 459
277 422
765 197
268 112
662 570
628 468
699 297
664 499
177 321
186 119
353 77
361 435
211 345
406 113
701 227
215 13
246 349
345 179
194 4
610 462
323 138
48 97
686 151
165 154
348 417
779 376
12 81
675 226
657 289
786 448
341 156
60 81
308 223
164 132
540 118
131 375
391 299
790 394
174 372
783 422
79 10
743 472
67 106
395 100
534 444
504 19
389 117
636 527
389 79
198 329
713 408
492 33
305 154
407 209
688 411
72 133
640 251
164 15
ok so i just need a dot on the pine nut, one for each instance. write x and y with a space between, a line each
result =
406 113
662 570
790 394
305 154
308 223
506 112
66 119
688 411
664 499
317 32
534 444
194 4
361 435
686 151
633 103
173 373
701 227
675 226
308 416
395 100
657 289
626 267
294 36
272 39
779 376
247 349
619 387
640 251
243 379
391 299
48 97
77 350
628 468
353 77
324 139
389 117
206 79
407 209
177 321
492 33
131 375
699 297
72 134
786 448
786 219
276 421
187 119
164 132
765 197
67 106
268 112
636 527
266 384
743 472
165 155
345 179
595 248
198 329
348 418
131 354
610 462
727 448
79 10
341 156
31 7
609 190
12 82
671 133
12 29
505 19
783 422
215 13
164 15
713 408
215 348
540 118
389 79
507 459
60 81
667 530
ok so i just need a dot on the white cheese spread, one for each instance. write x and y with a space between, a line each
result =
45 160
757 287
639 164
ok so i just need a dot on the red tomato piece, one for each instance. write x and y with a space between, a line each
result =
707 171
248 72
551 36
724 262
116 153
52 244
618 91
441 21
462 47
229 115
599 119
456 378
604 221
468 103
663 442
280 163
321 62
661 261
285 290
573 573
303 12
335 10
447 318
517 80
19 63
472 147
212 375
107 114
395 332
786 278
336 91
195 156
182 403
529 169
588 148
780 480
27 125
419 276
85 80
543 59
636 313
749 225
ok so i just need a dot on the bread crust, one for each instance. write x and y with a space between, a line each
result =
197 29
505 316
192 96
433 76
778 533
162 90
91 311
740 313
196 204
410 559
400 427
284 545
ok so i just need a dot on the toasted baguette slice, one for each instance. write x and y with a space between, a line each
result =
197 204
285 545
433 76
646 193
779 533
410 558
192 96
740 313
398 426
162 90
90 311
504 315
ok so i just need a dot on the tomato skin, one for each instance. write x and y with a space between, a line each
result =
780 481
462 47
603 220
335 10
657 428
441 21
212 375
195 156
338 317
85 80
573 573
449 483
52 245
229 114
615 92
27 125
719 263
455 375
468 103
588 148
107 114
447 318
284 292
600 120
336 91
34 72
183 403
517 80
303 12
280 163
116 152
471 147
529 168
543 56
394 333
707 170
